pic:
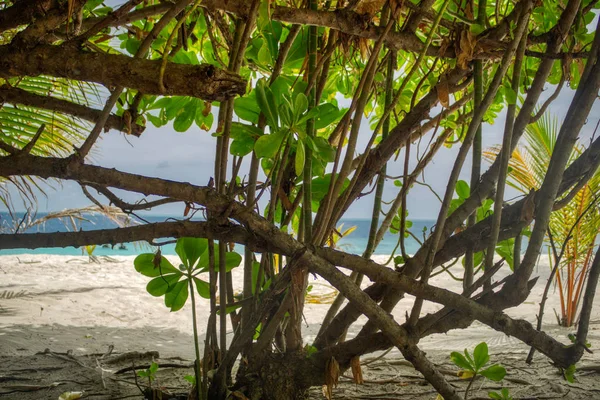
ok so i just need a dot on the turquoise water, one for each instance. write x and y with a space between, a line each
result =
353 243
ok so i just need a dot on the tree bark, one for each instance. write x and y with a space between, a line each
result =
202 81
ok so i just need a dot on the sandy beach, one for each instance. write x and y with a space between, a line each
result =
71 306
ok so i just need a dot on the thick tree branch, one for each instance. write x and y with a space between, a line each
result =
25 12
202 81
229 233
14 95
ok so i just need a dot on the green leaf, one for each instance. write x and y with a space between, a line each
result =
569 373
328 114
267 145
264 55
153 368
494 373
232 260
266 103
186 118
480 355
190 249
175 298
247 108
462 189
144 264
202 287
160 285
510 95
244 136
285 114
300 105
460 361
299 161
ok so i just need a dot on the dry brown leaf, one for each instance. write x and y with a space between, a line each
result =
239 395
466 48
332 375
285 201
443 91
363 45
469 10
369 7
356 370
188 207
127 121
207 108
528 210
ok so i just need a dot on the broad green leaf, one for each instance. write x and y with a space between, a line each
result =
232 260
244 136
247 108
144 264
285 114
299 161
186 118
175 298
494 373
267 145
202 287
460 361
162 284
480 355
190 249
264 56
510 95
328 114
462 189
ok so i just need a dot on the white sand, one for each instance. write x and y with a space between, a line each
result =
74 304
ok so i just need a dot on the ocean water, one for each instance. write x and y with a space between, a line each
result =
355 242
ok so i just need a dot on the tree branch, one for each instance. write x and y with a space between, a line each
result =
202 81
14 95
229 233
25 12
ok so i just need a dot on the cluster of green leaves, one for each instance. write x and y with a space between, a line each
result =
285 109
149 373
473 365
174 283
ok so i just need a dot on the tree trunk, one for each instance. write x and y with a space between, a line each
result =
276 376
